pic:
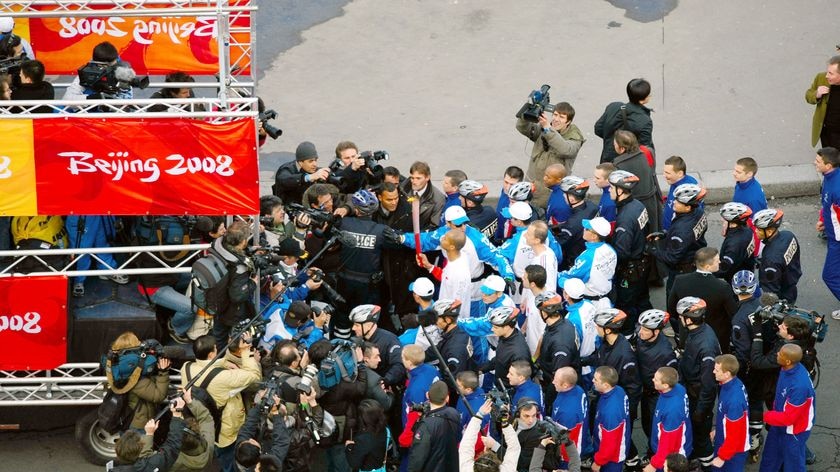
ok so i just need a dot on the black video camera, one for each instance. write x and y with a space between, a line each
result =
372 159
108 80
499 403
318 217
537 104
12 65
550 428
256 330
272 131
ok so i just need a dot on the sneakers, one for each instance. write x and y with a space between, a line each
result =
835 315
810 456
174 334
117 279
78 290
586 462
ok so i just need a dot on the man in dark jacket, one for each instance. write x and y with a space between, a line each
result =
135 451
33 86
431 199
559 346
294 177
633 160
455 346
632 116
740 244
721 303
436 435
250 446
570 233
512 346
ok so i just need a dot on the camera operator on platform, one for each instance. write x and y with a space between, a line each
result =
105 54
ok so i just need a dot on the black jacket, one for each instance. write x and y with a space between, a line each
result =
620 356
278 446
391 367
696 367
454 347
431 205
684 237
342 399
435 444
398 263
368 452
164 457
241 288
721 303
484 219
560 347
290 181
510 349
612 120
736 252
42 91
631 227
779 270
652 356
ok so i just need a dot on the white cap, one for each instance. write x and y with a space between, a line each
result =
574 288
599 225
519 210
493 284
456 215
7 24
423 287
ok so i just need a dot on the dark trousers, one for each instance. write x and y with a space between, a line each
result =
830 138
633 298
703 447
648 404
356 293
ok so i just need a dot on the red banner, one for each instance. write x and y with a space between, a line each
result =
33 322
153 45
128 166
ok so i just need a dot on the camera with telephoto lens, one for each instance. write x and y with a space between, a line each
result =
272 131
318 217
272 388
108 80
307 378
538 103
499 403
256 329
372 159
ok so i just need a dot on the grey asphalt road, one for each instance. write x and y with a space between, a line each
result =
56 449
440 81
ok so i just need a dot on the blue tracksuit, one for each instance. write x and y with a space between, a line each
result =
611 436
668 210
528 389
420 379
750 194
558 209
504 202
606 206
790 422
508 249
452 199
671 428
731 425
830 216
475 399
571 410
479 327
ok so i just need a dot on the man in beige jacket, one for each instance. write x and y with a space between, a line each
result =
240 368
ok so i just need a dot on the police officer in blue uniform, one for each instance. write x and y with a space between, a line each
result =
631 229
779 269
560 346
570 234
472 196
738 250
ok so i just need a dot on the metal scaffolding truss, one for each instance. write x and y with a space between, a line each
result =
193 252
68 384
214 109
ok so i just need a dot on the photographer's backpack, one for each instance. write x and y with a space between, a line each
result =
339 365
114 414
199 393
163 231
210 279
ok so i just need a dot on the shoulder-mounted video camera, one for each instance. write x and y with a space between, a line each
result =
318 217
109 80
537 104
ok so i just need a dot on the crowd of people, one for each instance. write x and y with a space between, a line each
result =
371 321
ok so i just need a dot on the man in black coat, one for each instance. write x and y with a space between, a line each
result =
294 177
721 303
33 86
632 116
436 435
431 199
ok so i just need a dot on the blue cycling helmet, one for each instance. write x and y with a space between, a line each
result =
365 202
744 282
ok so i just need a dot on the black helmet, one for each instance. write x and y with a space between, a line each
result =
623 179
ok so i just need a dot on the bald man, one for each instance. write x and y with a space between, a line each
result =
558 209
571 407
792 416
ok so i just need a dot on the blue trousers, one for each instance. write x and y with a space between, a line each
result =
92 232
783 451
831 268
736 464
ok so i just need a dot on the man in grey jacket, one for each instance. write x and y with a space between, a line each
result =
375 387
